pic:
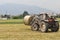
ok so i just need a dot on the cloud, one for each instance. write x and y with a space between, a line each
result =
49 4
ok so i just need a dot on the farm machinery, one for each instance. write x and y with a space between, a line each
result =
42 22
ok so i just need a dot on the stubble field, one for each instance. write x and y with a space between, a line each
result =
16 30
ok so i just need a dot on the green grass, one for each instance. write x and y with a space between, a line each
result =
12 21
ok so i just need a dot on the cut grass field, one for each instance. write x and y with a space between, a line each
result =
19 31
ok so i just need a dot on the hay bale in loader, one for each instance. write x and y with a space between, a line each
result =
28 19
41 22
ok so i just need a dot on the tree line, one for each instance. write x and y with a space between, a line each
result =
21 16
58 15
26 13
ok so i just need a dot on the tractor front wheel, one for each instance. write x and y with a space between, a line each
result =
35 27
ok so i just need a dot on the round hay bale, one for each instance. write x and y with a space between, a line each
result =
27 19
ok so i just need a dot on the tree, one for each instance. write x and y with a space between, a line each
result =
25 13
18 17
58 15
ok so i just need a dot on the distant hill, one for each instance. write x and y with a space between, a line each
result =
15 9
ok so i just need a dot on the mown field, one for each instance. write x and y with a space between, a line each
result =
16 30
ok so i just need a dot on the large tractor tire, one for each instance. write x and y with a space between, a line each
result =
55 27
43 27
34 27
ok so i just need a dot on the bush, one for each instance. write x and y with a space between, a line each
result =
15 17
18 17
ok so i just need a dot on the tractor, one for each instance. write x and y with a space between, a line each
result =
42 22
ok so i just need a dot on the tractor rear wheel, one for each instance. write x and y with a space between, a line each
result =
44 27
55 27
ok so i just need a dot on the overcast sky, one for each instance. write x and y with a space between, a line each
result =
49 4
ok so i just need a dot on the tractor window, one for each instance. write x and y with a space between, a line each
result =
41 16
46 16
